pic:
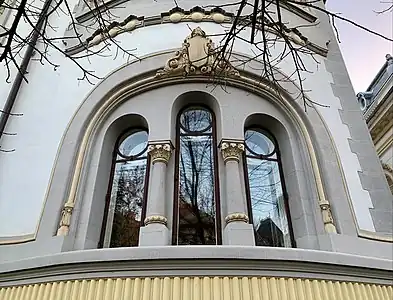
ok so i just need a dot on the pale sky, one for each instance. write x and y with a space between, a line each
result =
364 54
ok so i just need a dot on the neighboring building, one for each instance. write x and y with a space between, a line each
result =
377 106
155 183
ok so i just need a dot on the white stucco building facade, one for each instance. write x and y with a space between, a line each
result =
193 222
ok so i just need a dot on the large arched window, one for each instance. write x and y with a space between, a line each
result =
196 203
126 199
266 197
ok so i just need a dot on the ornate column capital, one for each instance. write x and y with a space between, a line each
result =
160 151
236 217
155 219
231 149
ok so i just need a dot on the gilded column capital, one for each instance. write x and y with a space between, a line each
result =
160 151
236 217
231 150
156 219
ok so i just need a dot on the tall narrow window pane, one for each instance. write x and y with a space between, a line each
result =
196 207
267 205
125 211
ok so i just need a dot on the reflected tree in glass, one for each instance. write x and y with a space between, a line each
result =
125 210
195 205
267 205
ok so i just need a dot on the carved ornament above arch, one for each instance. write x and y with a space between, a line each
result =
197 56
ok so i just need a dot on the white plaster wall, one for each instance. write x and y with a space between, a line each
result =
51 97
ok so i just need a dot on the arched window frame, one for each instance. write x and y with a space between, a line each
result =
281 174
128 132
175 226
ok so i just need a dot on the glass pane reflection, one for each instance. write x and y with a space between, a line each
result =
196 120
267 203
126 203
196 208
258 143
127 191
133 145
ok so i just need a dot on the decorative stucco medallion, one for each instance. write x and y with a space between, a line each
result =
197 56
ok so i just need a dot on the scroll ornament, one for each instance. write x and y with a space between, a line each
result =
198 56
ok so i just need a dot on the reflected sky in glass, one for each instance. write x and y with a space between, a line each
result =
266 195
124 217
196 180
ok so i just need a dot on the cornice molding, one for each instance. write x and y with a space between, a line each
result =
177 15
378 104
180 261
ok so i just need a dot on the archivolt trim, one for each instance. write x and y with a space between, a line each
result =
245 81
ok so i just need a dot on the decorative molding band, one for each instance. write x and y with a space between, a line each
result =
160 151
178 15
231 150
196 288
114 29
385 146
197 14
236 217
156 220
18 239
376 236
220 261
198 56
378 103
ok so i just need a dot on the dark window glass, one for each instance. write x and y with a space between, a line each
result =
126 199
195 203
265 196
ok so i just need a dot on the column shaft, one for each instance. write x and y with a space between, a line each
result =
156 194
234 196
237 230
155 231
